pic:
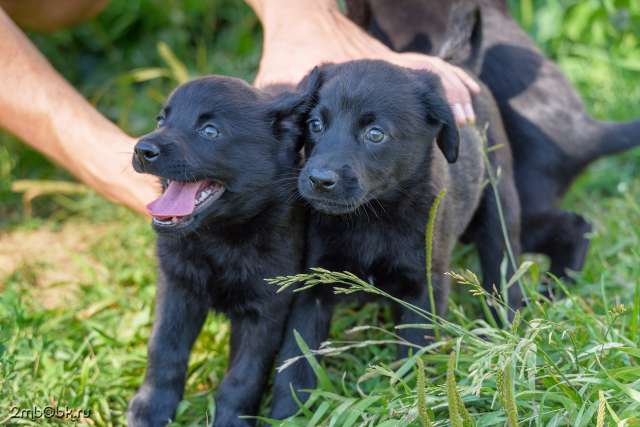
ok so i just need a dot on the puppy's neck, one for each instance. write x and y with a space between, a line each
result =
417 191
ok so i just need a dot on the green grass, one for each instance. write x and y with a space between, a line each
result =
75 312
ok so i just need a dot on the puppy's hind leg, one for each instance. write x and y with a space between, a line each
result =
488 231
561 236
311 317
178 321
420 336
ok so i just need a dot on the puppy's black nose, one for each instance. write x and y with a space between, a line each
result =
323 179
146 151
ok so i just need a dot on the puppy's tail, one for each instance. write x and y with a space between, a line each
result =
609 138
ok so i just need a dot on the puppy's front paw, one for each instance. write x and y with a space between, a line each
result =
151 408
226 417
282 411
233 422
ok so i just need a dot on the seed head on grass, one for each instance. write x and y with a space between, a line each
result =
423 413
428 245
506 395
458 414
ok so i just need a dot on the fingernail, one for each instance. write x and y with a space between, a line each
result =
458 112
468 112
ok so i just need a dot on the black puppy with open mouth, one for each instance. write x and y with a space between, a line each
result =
381 145
228 155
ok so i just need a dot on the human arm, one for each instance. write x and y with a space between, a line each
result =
47 113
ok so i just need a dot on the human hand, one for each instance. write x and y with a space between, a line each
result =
457 84
300 34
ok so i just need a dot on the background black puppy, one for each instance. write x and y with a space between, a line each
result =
553 137
228 154
381 144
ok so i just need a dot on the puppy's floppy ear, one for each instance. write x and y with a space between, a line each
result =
288 110
448 138
439 114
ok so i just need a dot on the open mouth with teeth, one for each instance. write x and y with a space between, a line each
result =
332 207
181 201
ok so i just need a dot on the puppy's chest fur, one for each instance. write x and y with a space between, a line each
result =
384 244
382 250
227 266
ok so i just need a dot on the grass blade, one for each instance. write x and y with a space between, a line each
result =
178 69
323 379
601 409
635 315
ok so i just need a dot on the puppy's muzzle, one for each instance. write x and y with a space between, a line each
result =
146 152
324 180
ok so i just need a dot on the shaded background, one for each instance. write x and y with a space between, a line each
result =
77 273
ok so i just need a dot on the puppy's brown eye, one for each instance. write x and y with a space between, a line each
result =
375 135
210 131
315 125
160 121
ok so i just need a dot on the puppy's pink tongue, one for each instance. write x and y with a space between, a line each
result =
179 199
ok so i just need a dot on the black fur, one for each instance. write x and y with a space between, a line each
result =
371 200
553 138
218 259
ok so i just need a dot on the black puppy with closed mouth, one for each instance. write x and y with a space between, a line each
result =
553 137
381 145
227 154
